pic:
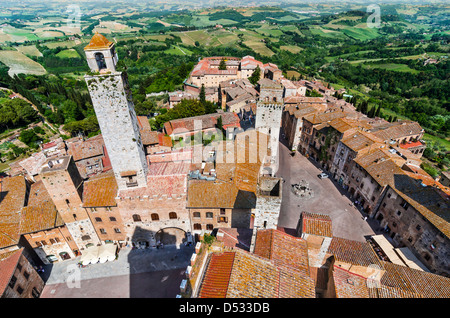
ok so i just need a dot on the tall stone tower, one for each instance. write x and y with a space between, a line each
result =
269 111
268 205
65 186
113 105
268 121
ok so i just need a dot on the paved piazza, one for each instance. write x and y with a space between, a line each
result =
137 273
328 198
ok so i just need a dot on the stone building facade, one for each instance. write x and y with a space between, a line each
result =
53 245
65 187
99 201
411 215
19 278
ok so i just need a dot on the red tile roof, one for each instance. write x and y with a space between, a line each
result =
411 144
217 276
100 191
12 200
316 224
349 285
282 249
353 252
8 263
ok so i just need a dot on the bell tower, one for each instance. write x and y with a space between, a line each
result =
114 108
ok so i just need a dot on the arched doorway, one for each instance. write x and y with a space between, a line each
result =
171 236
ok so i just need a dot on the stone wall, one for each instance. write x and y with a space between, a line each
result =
139 216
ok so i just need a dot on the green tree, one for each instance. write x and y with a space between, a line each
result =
222 65
202 95
254 78
29 138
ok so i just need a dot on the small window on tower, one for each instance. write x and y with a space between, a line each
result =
100 59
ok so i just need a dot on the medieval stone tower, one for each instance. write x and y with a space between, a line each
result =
111 98
65 186
268 121
269 111
268 205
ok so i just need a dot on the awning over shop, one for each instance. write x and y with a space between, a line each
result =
410 259
102 254
107 252
388 249
89 255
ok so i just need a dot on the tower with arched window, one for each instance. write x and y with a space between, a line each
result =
114 108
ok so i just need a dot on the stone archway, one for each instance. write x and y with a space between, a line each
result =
171 236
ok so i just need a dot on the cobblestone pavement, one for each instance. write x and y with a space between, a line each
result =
328 198
136 273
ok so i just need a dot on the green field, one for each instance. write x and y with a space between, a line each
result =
69 53
439 141
178 51
19 63
361 33
393 67
291 48
29 50
268 30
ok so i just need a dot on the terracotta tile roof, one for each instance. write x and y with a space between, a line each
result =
8 264
149 137
13 193
411 144
83 149
304 100
209 121
425 284
205 66
359 140
163 178
383 291
316 224
97 42
217 275
218 194
40 213
344 124
353 252
282 248
324 117
100 191
384 172
349 285
399 130
255 277
249 62
165 141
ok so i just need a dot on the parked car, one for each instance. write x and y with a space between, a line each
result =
323 175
